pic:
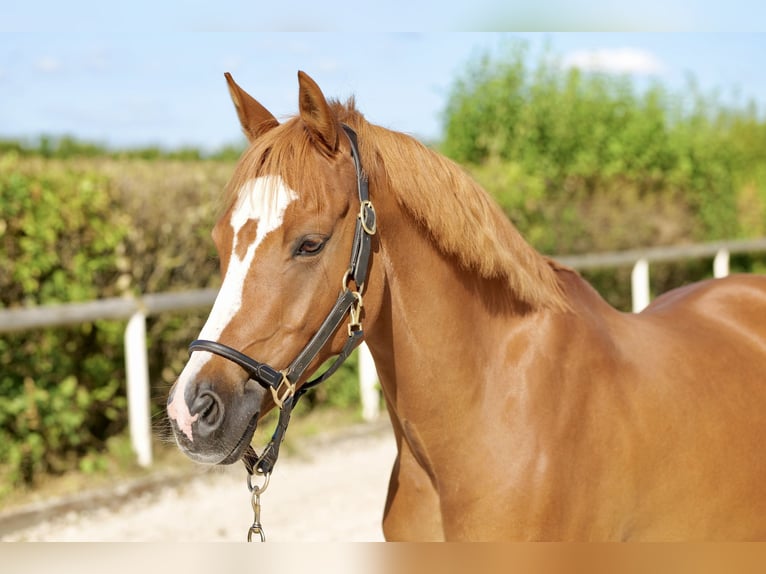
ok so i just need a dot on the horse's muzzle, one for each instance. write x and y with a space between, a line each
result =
212 427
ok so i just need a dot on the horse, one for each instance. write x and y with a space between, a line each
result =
523 406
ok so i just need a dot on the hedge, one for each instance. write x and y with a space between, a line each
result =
588 162
579 162
88 228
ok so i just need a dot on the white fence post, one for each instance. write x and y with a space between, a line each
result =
21 319
639 282
368 380
721 264
137 374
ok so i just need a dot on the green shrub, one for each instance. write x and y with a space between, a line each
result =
87 228
61 389
589 162
579 162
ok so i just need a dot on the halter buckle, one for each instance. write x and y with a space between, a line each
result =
355 312
368 217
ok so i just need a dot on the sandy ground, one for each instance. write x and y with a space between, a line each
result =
332 490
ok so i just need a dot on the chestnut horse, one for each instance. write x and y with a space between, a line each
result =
524 407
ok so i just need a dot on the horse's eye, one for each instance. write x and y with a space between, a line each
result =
310 245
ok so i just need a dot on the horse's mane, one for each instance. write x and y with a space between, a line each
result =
438 194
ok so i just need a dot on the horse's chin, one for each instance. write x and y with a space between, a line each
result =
242 444
228 456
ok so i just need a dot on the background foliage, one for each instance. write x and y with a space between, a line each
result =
82 226
59 237
591 162
78 223
579 162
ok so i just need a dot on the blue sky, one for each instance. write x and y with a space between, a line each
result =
166 16
112 84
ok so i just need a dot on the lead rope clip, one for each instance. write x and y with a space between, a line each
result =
255 500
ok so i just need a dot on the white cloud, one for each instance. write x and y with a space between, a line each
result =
48 64
615 61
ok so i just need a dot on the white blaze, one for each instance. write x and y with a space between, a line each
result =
263 199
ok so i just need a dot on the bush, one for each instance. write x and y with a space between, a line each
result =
85 229
588 162
579 162
89 228
61 388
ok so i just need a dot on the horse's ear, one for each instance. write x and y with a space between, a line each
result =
316 113
255 119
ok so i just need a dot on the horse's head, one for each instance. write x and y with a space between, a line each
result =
284 243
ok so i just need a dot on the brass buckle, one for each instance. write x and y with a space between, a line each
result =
363 210
289 392
355 322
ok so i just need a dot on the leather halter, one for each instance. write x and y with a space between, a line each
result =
283 384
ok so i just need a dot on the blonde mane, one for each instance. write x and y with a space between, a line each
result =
460 216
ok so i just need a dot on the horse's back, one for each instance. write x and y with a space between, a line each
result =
701 359
645 426
715 322
738 294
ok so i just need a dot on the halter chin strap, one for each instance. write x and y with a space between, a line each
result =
283 384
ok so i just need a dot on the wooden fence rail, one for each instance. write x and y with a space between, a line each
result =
640 259
136 309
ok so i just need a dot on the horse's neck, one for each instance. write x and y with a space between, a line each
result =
443 331
438 323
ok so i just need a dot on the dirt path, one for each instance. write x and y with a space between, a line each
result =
333 490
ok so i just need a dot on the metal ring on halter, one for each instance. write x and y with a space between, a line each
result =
256 465
260 489
344 281
279 401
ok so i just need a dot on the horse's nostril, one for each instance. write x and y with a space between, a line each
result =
210 412
210 409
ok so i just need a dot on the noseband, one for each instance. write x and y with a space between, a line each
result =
283 384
